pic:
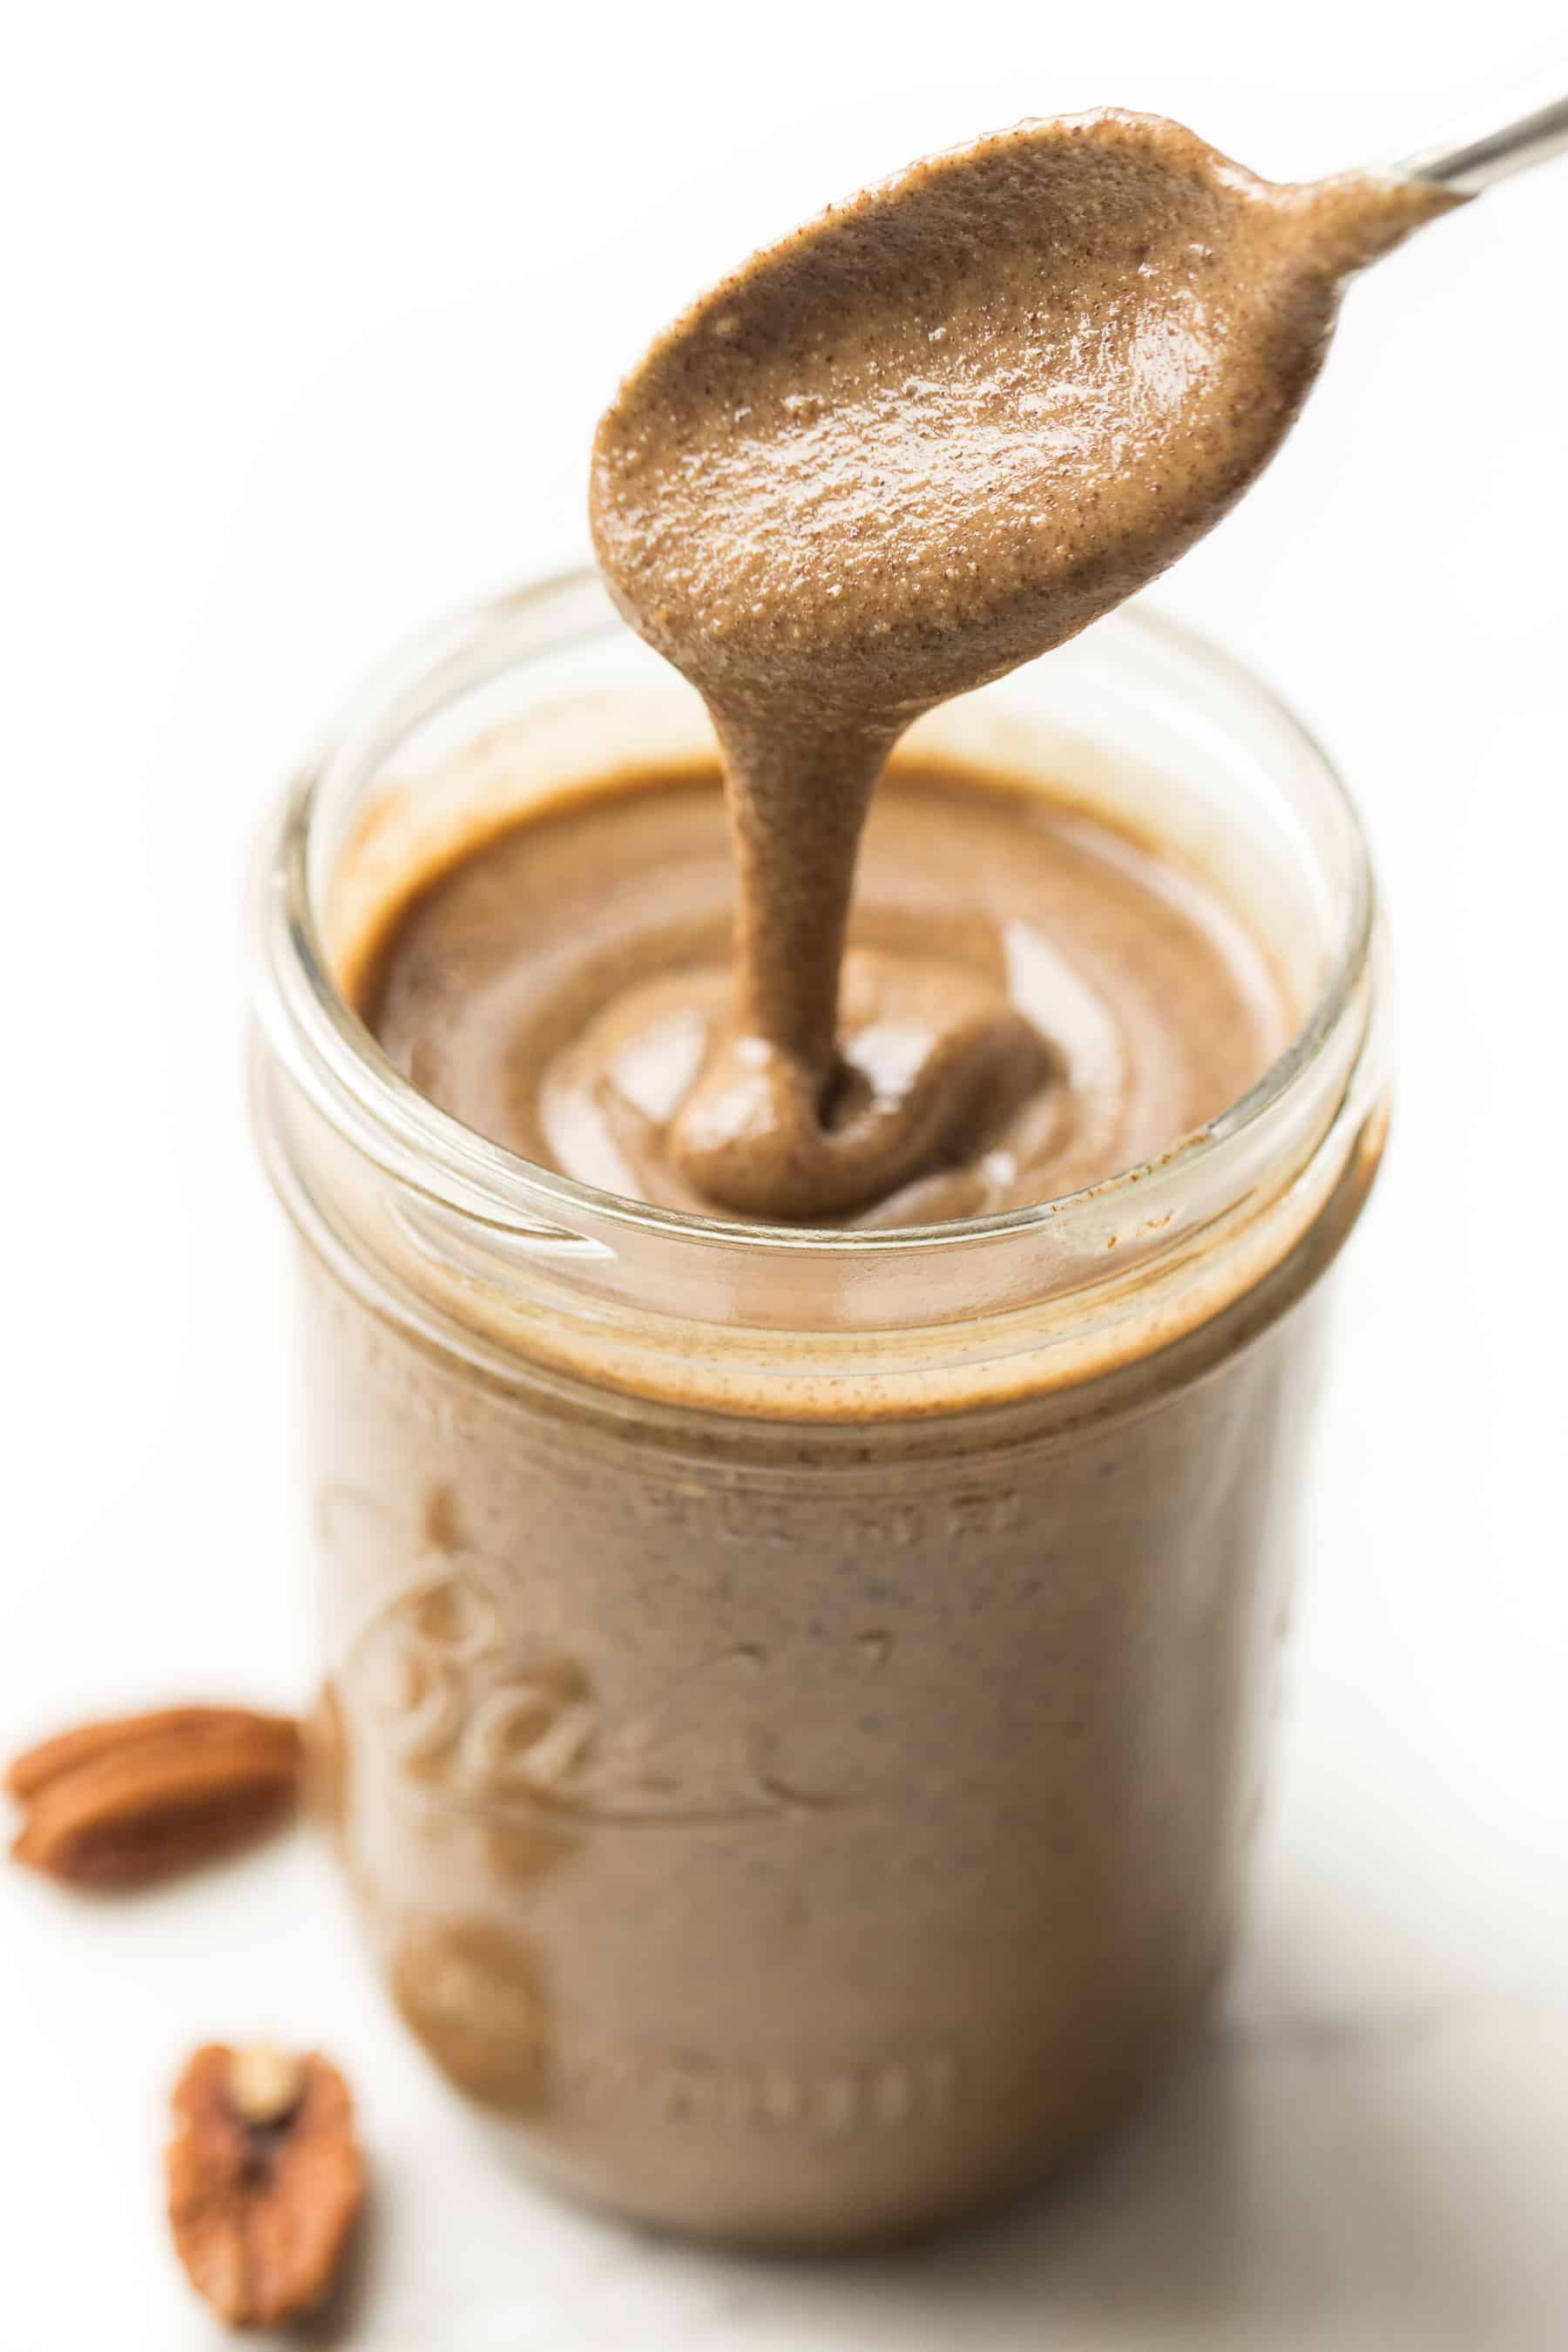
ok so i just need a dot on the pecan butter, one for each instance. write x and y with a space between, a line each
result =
793 1755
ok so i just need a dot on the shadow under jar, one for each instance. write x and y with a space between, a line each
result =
797 1697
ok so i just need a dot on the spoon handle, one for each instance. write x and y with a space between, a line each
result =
1486 149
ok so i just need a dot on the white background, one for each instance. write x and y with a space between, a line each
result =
311 309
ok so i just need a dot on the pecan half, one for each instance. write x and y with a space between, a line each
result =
119 1804
262 2210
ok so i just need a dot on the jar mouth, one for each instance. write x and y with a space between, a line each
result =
334 1058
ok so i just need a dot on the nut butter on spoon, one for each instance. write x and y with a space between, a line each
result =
924 438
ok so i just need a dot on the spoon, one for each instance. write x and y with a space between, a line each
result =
1484 150
926 437
975 340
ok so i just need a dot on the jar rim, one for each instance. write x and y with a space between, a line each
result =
340 1065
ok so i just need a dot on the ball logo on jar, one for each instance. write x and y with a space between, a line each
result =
515 1733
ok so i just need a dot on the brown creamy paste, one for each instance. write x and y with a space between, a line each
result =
808 1818
550 996
922 440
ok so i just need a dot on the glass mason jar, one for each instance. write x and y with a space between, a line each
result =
795 1697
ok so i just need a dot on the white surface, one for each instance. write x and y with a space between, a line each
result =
311 308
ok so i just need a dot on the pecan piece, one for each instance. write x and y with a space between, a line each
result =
119 1804
264 2181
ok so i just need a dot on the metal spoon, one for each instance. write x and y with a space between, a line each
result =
1484 150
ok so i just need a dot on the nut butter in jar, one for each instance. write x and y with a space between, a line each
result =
798 1695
